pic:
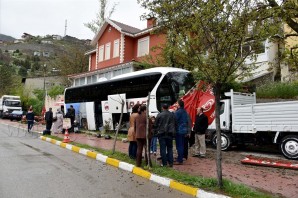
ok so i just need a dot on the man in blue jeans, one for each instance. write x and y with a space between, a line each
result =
165 127
182 129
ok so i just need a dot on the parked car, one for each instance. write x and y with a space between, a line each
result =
16 115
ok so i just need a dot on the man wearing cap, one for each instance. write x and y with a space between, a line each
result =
165 129
200 127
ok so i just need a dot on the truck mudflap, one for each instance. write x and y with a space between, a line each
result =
252 160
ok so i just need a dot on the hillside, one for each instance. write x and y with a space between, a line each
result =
31 54
6 38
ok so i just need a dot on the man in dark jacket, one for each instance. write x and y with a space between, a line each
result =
30 118
181 131
49 120
201 125
71 113
165 131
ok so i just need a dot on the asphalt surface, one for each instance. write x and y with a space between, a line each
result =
278 182
32 168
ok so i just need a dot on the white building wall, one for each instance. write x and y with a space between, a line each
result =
264 61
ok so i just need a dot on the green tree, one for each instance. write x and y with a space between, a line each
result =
27 63
55 91
6 79
95 24
36 66
72 61
4 58
22 71
287 11
207 37
24 94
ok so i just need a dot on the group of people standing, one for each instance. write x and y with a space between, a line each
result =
137 136
57 121
166 127
52 121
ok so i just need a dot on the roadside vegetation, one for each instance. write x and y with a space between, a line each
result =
210 184
278 90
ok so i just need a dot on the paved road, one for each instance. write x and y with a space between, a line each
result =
32 168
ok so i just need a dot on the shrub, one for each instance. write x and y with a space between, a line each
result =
278 90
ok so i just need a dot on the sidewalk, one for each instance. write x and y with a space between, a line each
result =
280 182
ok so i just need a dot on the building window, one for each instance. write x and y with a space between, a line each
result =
126 70
116 48
117 72
94 78
108 75
108 51
82 81
89 80
77 82
143 46
101 50
255 47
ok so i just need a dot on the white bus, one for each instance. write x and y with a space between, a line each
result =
165 84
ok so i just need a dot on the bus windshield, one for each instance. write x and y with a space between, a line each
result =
173 86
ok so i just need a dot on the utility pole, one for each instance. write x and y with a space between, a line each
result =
65 27
44 80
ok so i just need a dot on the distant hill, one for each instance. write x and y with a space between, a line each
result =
31 54
6 38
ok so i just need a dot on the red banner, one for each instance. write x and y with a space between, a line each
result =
200 96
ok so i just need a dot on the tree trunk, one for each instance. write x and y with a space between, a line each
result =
119 126
218 133
147 133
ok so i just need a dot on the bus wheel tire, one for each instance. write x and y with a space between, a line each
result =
225 141
289 146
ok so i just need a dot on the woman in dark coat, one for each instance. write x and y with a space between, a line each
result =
131 135
140 129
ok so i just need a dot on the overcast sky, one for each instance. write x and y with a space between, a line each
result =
42 17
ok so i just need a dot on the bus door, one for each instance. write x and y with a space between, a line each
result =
106 116
90 115
115 106
98 115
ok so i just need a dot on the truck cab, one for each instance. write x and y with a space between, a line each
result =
8 104
225 125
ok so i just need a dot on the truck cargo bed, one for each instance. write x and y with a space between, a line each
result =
276 116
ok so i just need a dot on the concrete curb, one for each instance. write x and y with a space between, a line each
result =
195 192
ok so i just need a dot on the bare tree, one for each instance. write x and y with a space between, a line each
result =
122 102
95 24
147 150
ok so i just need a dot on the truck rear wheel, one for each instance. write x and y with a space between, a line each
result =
225 141
289 146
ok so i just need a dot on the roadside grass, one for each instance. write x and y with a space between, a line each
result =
210 184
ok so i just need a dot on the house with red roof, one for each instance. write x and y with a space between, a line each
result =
119 48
